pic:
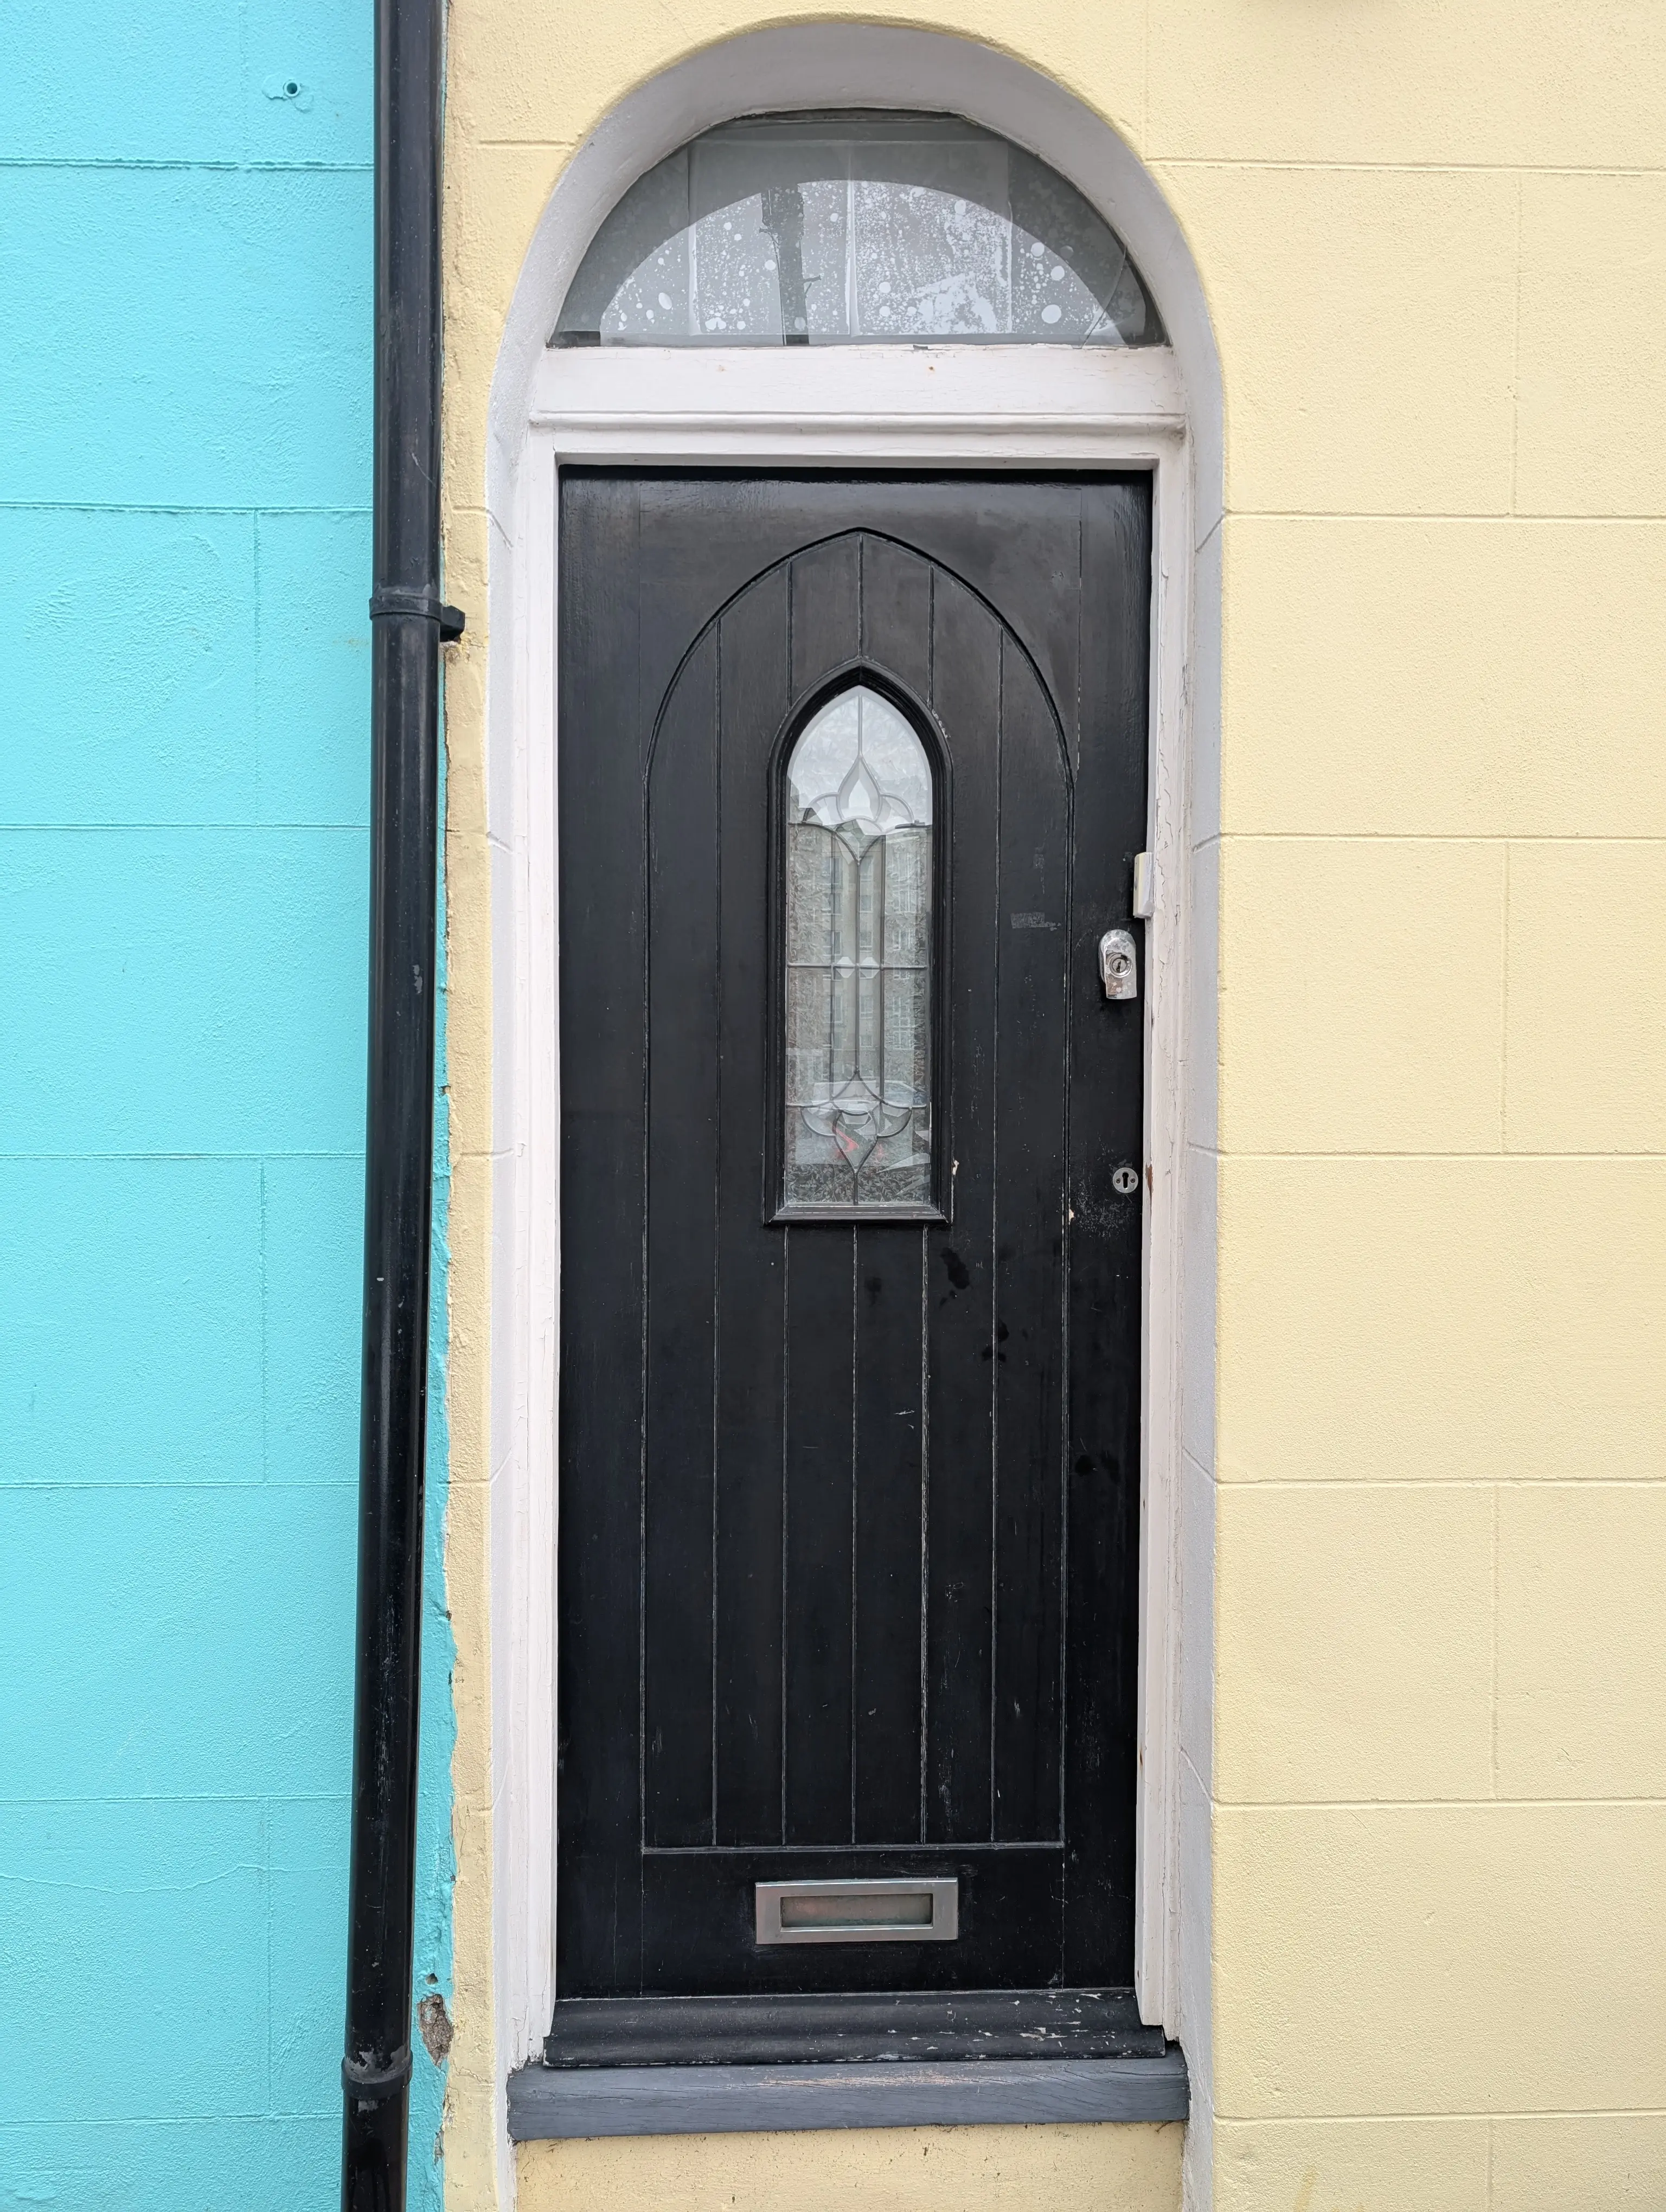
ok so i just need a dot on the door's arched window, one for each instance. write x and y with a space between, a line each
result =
855 228
857 938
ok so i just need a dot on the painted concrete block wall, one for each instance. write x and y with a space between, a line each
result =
1432 1816
185 380
1440 1803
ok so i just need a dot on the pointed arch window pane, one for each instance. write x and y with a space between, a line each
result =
859 960
856 228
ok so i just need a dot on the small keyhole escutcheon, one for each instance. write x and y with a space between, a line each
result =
1119 971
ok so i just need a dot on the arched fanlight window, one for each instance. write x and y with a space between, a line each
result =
859 968
825 229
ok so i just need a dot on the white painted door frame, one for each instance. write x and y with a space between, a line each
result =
970 407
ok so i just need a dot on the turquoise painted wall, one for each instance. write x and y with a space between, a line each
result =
185 384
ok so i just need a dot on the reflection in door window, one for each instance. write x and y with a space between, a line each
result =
859 955
856 229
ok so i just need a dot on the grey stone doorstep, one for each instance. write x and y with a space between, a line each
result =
547 2102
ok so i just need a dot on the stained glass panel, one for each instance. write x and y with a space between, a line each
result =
859 946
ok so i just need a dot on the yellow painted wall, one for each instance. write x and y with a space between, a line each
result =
1433 241
1086 2169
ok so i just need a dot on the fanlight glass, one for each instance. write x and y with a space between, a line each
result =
855 228
859 962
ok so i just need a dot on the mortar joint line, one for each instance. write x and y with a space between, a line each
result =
1516 353
1491 2143
1498 1516
1504 1009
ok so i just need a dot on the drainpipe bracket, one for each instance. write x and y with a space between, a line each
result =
424 606
369 2083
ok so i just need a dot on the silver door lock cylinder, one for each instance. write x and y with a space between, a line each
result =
1118 970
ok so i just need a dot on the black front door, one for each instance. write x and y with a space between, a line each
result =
852 775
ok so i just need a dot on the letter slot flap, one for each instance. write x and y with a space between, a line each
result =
914 1911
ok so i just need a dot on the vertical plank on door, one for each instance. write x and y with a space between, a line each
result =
752 1270
1032 1017
1107 1052
603 744
886 1610
819 1423
894 610
685 965
959 1302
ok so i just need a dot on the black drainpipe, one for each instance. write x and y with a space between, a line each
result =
407 625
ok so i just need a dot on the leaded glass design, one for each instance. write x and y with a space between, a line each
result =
859 960
856 228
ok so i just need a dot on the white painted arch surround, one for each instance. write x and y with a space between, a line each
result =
984 407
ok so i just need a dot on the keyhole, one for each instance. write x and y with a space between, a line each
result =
1125 1179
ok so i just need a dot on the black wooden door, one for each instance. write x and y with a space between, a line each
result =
848 1454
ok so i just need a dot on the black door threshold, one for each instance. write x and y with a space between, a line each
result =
947 2026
